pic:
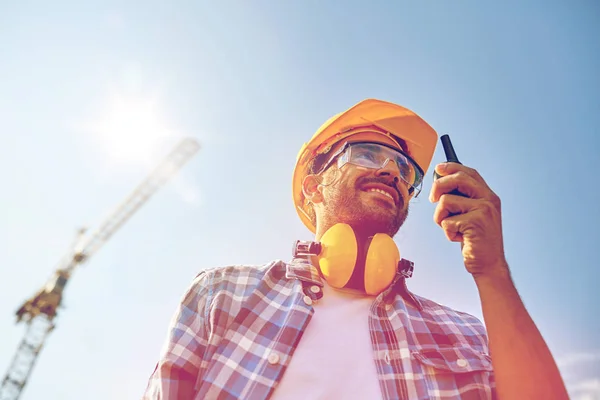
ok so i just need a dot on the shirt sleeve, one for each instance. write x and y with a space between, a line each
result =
493 386
178 367
492 376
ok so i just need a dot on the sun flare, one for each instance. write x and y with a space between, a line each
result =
131 128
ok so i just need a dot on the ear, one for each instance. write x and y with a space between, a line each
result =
311 188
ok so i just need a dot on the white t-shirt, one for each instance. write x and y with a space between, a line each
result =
334 359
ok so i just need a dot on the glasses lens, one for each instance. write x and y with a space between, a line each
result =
371 155
367 155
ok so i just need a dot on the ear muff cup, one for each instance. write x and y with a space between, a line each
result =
338 255
381 263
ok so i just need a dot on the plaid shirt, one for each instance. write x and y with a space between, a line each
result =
236 329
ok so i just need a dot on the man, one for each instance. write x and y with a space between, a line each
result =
338 322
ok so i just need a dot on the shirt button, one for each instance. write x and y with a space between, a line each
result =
273 358
388 307
461 362
307 300
387 357
315 289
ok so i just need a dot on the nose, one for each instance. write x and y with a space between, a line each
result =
390 169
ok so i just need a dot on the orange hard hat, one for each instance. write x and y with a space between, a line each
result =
394 120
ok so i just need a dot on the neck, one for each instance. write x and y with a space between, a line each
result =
361 233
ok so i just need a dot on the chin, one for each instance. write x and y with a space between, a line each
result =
378 223
367 218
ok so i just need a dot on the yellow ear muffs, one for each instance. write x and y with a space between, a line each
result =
347 262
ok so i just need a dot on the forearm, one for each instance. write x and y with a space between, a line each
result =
523 365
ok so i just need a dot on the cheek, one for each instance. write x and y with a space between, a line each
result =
339 189
342 182
404 193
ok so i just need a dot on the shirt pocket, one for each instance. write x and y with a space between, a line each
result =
454 373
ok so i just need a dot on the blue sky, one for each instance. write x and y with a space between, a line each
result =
92 95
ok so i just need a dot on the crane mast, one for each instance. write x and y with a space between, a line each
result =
39 311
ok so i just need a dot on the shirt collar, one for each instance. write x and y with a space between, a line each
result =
399 286
303 270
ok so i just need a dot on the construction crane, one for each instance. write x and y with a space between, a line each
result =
39 311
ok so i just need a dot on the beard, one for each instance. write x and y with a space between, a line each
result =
366 216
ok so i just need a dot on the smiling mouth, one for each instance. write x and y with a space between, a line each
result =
383 192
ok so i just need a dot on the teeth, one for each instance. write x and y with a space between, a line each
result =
381 191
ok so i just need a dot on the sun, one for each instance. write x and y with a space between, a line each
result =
131 128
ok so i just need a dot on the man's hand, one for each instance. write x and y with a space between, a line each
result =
475 221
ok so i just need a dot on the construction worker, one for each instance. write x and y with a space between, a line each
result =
338 321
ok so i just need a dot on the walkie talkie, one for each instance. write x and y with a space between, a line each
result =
450 157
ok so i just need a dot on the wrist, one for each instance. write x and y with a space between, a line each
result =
496 286
495 274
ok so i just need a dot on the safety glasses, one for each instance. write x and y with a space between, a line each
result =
376 156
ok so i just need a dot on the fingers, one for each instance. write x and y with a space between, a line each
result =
451 227
460 181
475 211
464 179
467 181
449 168
450 205
455 216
